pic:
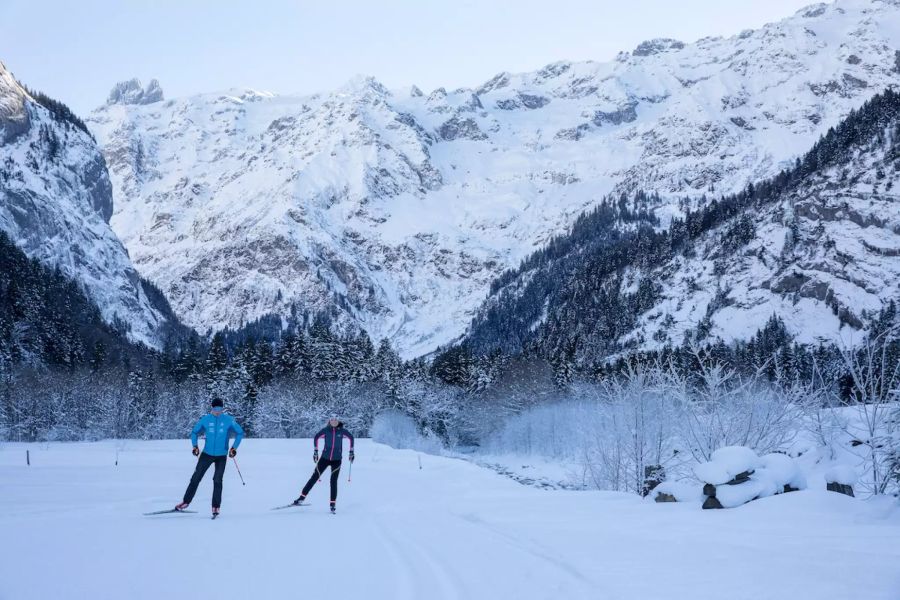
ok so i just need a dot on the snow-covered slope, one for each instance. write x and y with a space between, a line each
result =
817 246
825 259
447 531
399 207
56 201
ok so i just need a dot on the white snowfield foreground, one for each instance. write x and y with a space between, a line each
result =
71 526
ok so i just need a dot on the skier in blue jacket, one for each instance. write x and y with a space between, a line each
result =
217 426
333 434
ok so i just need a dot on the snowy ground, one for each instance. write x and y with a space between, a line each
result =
71 527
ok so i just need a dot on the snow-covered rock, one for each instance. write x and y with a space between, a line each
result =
735 475
678 491
398 209
784 470
131 92
55 203
727 463
841 478
843 474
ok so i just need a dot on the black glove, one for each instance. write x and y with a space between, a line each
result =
232 453
195 451
316 455
351 456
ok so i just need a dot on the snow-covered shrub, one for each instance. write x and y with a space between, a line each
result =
721 408
873 423
629 428
549 430
399 430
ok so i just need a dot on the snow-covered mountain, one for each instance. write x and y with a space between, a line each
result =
817 247
55 203
398 208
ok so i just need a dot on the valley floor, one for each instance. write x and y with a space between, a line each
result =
71 526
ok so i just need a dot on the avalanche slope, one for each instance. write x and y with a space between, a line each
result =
72 528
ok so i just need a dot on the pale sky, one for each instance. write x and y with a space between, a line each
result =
76 51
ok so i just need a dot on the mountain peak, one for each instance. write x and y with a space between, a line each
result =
362 85
657 46
131 92
12 107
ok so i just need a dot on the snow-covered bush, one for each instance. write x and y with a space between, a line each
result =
873 422
721 408
652 418
628 430
399 430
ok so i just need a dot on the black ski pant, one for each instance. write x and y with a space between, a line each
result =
323 464
203 464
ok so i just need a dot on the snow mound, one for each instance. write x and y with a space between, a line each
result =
726 464
730 496
843 474
682 491
784 471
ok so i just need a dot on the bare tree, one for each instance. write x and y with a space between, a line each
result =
872 423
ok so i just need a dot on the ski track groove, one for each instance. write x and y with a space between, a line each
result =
447 580
528 547
407 587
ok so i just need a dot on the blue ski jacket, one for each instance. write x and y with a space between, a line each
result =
334 438
217 430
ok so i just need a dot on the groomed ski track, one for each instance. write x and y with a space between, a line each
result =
73 527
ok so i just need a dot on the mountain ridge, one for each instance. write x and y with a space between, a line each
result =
399 208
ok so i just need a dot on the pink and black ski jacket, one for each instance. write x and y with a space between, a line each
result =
334 437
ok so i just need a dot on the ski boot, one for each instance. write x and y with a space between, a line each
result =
181 506
215 512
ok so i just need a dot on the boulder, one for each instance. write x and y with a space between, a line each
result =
712 502
740 478
840 488
663 497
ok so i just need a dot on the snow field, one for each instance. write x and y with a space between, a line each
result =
72 527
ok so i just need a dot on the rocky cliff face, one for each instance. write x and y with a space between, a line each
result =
56 201
397 208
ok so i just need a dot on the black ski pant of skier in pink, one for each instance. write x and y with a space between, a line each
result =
323 464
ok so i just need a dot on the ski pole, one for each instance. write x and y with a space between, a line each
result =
349 471
238 470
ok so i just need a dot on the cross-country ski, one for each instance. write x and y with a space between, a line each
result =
169 511
291 505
